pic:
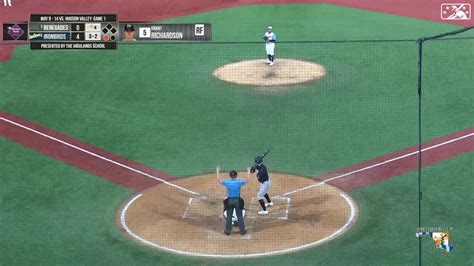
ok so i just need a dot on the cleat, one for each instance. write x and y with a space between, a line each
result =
270 204
271 63
244 232
262 212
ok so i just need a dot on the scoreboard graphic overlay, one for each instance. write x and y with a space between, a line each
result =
73 31
96 32
150 32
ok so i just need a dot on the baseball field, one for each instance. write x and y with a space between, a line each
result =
114 157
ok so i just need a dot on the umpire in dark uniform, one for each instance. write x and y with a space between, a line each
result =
233 186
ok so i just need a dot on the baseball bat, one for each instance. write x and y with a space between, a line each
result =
265 154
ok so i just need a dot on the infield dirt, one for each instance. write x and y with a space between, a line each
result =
259 73
172 219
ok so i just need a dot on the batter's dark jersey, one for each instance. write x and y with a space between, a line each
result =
262 174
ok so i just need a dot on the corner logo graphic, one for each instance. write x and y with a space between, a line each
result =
15 31
451 11
440 237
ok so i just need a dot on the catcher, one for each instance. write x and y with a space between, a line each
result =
234 202
265 184
234 215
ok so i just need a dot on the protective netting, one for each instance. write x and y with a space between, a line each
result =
340 119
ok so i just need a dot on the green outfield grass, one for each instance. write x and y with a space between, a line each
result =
156 103
160 105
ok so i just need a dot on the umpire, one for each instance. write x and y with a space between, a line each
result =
233 186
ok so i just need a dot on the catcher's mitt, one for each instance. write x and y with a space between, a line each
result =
265 38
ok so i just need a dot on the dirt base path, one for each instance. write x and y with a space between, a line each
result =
135 176
92 159
172 220
259 73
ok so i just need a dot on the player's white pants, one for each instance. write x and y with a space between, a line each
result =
264 187
270 47
7 2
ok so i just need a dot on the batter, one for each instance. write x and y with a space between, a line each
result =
265 184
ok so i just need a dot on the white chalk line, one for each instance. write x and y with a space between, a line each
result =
101 157
285 217
377 164
287 208
248 216
122 217
201 195
340 231
187 208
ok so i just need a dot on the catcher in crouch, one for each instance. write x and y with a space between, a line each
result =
234 215
265 184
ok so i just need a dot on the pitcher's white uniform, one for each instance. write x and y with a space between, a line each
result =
270 43
270 39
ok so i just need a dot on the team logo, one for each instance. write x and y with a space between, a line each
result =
455 11
15 31
35 36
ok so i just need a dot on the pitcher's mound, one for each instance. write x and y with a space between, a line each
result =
259 73
173 220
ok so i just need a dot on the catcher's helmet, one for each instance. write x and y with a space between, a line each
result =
258 159
233 174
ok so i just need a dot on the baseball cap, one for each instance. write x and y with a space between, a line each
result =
129 27
270 27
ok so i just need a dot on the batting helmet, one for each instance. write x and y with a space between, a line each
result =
258 159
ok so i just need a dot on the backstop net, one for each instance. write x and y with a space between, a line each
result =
342 121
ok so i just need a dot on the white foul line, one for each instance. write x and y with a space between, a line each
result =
337 233
202 196
101 157
122 216
377 164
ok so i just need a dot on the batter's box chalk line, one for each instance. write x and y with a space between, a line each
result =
281 207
